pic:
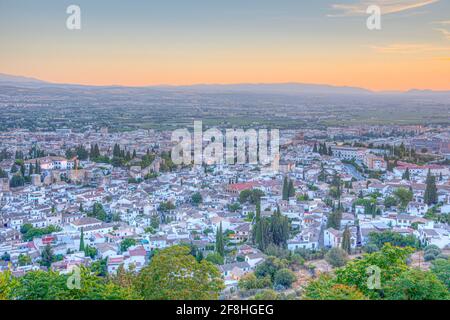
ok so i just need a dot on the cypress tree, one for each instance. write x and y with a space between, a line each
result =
3 174
47 256
257 227
322 175
346 244
334 219
116 151
321 149
279 227
291 189
82 240
285 194
95 151
406 175
430 196
266 234
219 241
38 167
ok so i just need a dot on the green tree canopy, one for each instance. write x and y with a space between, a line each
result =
404 196
215 257
441 268
430 196
336 257
379 239
174 274
391 262
98 212
252 196
284 277
326 288
197 198
40 285
415 284
47 257
127 243
250 282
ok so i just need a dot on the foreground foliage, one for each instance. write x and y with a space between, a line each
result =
173 273
383 274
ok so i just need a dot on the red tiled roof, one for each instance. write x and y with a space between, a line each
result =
242 186
140 251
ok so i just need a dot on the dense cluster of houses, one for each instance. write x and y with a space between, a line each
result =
64 195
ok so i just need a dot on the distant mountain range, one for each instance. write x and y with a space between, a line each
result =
256 88
275 88
10 79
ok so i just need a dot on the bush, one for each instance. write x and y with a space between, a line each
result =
215 258
432 246
251 282
415 284
371 248
394 238
277 251
296 261
270 267
266 295
309 254
441 268
326 288
284 277
429 257
336 257
433 252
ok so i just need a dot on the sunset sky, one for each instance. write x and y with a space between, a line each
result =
148 42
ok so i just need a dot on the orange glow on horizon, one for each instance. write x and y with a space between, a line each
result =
402 77
365 69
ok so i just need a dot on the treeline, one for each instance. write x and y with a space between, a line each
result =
20 174
322 149
120 156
